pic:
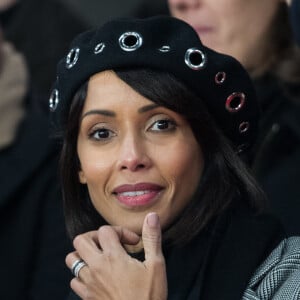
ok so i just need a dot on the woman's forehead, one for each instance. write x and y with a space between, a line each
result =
106 89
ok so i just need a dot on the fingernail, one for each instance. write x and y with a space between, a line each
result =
152 220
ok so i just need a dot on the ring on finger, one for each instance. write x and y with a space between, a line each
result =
77 266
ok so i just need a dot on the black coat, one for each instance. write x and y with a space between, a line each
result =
277 154
32 231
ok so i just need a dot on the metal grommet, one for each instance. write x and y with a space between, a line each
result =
235 102
130 41
241 148
164 48
195 59
275 128
99 48
72 57
220 77
53 100
244 126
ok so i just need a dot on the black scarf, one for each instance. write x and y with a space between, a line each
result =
219 262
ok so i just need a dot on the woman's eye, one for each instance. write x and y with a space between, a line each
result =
101 134
163 125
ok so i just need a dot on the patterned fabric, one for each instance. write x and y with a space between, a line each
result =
278 278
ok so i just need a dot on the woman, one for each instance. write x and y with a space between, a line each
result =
259 35
151 122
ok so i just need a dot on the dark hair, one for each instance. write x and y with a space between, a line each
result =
224 179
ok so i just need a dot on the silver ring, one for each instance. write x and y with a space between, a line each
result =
77 266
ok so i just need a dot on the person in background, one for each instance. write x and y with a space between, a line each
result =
32 229
41 30
259 35
157 200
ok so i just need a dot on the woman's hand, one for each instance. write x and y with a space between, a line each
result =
111 273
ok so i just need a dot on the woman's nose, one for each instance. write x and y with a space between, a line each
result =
133 154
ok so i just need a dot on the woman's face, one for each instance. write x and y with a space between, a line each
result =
136 157
239 28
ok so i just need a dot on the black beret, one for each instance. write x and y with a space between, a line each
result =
167 44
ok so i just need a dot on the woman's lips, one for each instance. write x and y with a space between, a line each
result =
138 194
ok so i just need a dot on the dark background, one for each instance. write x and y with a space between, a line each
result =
95 12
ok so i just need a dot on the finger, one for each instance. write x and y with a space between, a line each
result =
151 236
126 236
112 238
78 287
71 260
87 245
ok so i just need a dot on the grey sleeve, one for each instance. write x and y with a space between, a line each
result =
278 277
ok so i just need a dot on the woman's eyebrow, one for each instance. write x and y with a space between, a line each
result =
148 107
107 113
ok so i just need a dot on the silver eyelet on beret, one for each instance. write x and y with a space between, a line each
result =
164 48
130 41
220 78
235 102
99 48
241 148
53 100
195 59
72 57
244 126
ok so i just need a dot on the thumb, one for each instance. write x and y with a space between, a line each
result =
151 236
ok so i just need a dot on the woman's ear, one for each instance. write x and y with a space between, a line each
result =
81 177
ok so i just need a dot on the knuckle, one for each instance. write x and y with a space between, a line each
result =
73 283
87 295
78 240
109 256
104 230
68 258
158 261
